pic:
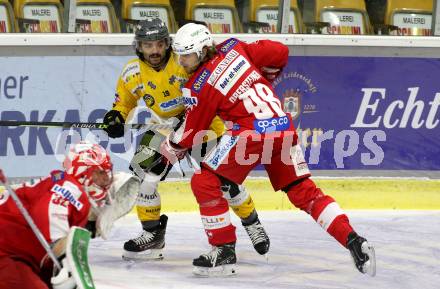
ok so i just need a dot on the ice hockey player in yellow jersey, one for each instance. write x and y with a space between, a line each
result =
157 78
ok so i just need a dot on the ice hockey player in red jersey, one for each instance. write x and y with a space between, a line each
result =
56 203
233 80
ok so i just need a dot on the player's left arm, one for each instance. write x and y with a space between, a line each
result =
268 56
199 114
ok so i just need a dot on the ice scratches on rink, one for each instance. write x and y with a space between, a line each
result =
301 256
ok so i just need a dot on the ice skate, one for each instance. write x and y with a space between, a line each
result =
220 261
258 236
148 245
363 254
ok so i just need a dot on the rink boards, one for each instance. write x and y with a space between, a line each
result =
367 193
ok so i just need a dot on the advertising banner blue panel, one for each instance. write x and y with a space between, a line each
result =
56 89
365 112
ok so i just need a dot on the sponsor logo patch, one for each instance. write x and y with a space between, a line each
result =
216 222
201 80
172 79
230 77
57 176
68 195
190 100
219 153
271 124
117 98
151 84
235 126
228 45
171 104
299 163
131 69
222 66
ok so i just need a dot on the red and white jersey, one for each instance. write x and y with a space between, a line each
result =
231 85
55 204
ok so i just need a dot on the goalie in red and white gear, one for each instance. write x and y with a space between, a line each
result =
233 80
90 164
109 202
56 203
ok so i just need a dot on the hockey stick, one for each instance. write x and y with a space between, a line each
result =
89 125
29 220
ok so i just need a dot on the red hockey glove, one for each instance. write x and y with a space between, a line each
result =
270 73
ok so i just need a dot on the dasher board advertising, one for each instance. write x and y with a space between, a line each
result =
374 113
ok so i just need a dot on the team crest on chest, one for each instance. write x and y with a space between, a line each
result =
149 100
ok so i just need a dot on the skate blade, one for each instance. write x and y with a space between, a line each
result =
147 255
219 271
369 267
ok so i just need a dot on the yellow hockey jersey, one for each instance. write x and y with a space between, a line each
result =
160 90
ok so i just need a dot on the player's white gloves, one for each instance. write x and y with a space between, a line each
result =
171 151
64 279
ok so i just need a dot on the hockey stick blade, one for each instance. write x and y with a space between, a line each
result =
89 125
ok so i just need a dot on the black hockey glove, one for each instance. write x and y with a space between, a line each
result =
115 122
91 226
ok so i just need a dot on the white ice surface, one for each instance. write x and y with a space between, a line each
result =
302 255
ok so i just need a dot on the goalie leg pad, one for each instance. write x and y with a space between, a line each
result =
76 257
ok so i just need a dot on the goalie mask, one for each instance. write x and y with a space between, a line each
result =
90 164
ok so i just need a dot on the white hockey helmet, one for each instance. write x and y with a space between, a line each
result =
192 38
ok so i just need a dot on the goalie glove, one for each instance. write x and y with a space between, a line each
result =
124 191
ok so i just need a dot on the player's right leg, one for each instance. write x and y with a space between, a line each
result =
214 211
239 200
292 176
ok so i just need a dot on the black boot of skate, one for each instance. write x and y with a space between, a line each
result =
363 254
220 261
257 234
148 245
